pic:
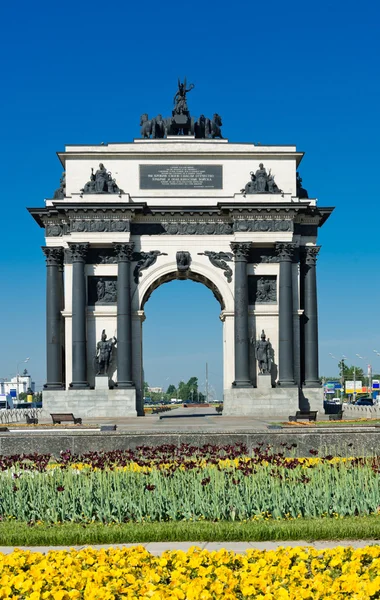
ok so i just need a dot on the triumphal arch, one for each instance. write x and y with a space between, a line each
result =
181 202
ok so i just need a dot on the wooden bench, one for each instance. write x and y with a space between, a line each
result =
310 415
65 418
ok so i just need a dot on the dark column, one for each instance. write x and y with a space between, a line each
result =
79 342
310 328
124 315
54 300
241 252
285 319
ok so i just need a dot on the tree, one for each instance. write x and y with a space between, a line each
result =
347 372
171 391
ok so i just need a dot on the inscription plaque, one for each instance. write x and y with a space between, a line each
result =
181 177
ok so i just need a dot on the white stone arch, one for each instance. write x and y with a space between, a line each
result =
200 271
213 278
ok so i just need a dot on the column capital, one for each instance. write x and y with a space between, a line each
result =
310 255
124 251
241 250
78 251
285 250
54 255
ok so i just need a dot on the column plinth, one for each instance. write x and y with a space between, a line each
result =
79 341
285 320
241 252
124 315
309 255
54 302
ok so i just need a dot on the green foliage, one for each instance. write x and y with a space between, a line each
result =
117 496
14 533
348 372
22 396
171 391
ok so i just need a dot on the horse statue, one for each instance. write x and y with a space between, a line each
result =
215 126
202 127
159 128
146 126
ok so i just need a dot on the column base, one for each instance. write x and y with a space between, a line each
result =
79 385
125 385
242 384
312 384
54 386
286 384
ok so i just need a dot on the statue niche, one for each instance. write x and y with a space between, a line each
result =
101 182
261 183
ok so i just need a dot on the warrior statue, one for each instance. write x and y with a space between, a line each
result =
179 101
103 356
264 354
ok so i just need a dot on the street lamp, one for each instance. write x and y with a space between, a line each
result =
17 374
369 372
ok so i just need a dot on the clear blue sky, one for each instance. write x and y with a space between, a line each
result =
278 73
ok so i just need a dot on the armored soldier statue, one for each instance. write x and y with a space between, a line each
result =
264 354
103 356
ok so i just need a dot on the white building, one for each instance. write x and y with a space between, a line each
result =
19 384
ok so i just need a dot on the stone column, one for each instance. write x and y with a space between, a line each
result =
79 341
241 252
309 255
285 326
54 301
124 315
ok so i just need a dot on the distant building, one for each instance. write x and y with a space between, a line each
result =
18 384
156 390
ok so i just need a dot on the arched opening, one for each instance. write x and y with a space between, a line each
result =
183 336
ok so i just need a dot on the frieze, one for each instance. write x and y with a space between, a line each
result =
262 289
101 256
200 228
244 225
102 290
263 255
218 259
99 225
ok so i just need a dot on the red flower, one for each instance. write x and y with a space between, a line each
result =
60 488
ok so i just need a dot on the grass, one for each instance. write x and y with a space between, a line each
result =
15 533
342 423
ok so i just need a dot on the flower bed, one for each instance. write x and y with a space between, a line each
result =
285 573
186 484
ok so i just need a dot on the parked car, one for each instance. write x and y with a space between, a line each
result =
368 401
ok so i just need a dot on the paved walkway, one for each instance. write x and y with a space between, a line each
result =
158 548
196 419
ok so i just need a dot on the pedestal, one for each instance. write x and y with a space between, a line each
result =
261 402
312 399
90 403
264 382
101 382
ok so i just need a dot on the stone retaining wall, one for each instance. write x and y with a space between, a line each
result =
346 441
